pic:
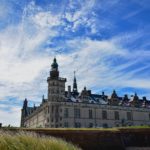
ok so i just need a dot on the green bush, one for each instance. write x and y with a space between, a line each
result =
31 141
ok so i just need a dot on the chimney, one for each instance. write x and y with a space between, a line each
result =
69 91
144 98
103 93
89 92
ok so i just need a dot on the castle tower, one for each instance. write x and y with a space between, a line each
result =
56 84
56 92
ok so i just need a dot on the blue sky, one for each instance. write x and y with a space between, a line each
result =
107 43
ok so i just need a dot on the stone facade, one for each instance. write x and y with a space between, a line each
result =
73 109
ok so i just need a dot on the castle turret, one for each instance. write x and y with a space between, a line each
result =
24 112
25 105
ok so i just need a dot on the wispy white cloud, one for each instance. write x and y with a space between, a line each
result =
132 14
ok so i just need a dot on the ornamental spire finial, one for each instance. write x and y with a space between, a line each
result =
75 83
54 64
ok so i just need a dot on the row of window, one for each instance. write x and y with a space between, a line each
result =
56 99
56 84
78 125
116 115
52 91
52 109
104 114
77 113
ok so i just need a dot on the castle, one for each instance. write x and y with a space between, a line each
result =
64 109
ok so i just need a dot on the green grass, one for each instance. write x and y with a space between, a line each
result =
30 141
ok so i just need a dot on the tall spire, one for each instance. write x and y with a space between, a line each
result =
75 83
25 103
25 106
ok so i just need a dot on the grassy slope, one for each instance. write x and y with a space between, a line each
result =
23 140
26 141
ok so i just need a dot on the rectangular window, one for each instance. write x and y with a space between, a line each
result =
105 125
66 124
56 109
104 114
116 113
48 109
77 113
129 116
52 109
90 125
90 114
66 113
77 124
